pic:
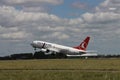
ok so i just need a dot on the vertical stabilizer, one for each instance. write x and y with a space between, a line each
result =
84 44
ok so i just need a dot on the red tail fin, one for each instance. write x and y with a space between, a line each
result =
84 44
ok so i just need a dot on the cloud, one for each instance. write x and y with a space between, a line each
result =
31 5
22 25
100 17
109 6
30 2
57 35
15 35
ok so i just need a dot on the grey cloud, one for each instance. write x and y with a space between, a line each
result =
109 6
31 5
100 17
30 2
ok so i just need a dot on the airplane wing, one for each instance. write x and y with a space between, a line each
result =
53 50
91 51
83 55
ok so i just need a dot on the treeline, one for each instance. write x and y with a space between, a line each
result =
109 56
36 55
41 55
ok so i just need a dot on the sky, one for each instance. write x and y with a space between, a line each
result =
66 22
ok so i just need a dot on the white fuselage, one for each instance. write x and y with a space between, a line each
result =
57 48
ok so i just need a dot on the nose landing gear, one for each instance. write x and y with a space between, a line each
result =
35 49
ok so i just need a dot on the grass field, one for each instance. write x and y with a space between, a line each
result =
60 69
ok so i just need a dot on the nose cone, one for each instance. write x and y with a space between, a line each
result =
33 44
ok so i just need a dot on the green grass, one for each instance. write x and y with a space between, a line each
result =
60 69
57 75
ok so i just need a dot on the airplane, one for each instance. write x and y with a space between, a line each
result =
52 48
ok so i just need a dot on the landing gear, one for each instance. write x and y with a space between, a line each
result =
47 51
61 55
35 49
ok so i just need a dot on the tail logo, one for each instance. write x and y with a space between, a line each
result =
83 45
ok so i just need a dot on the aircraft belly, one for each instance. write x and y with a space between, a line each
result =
64 51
